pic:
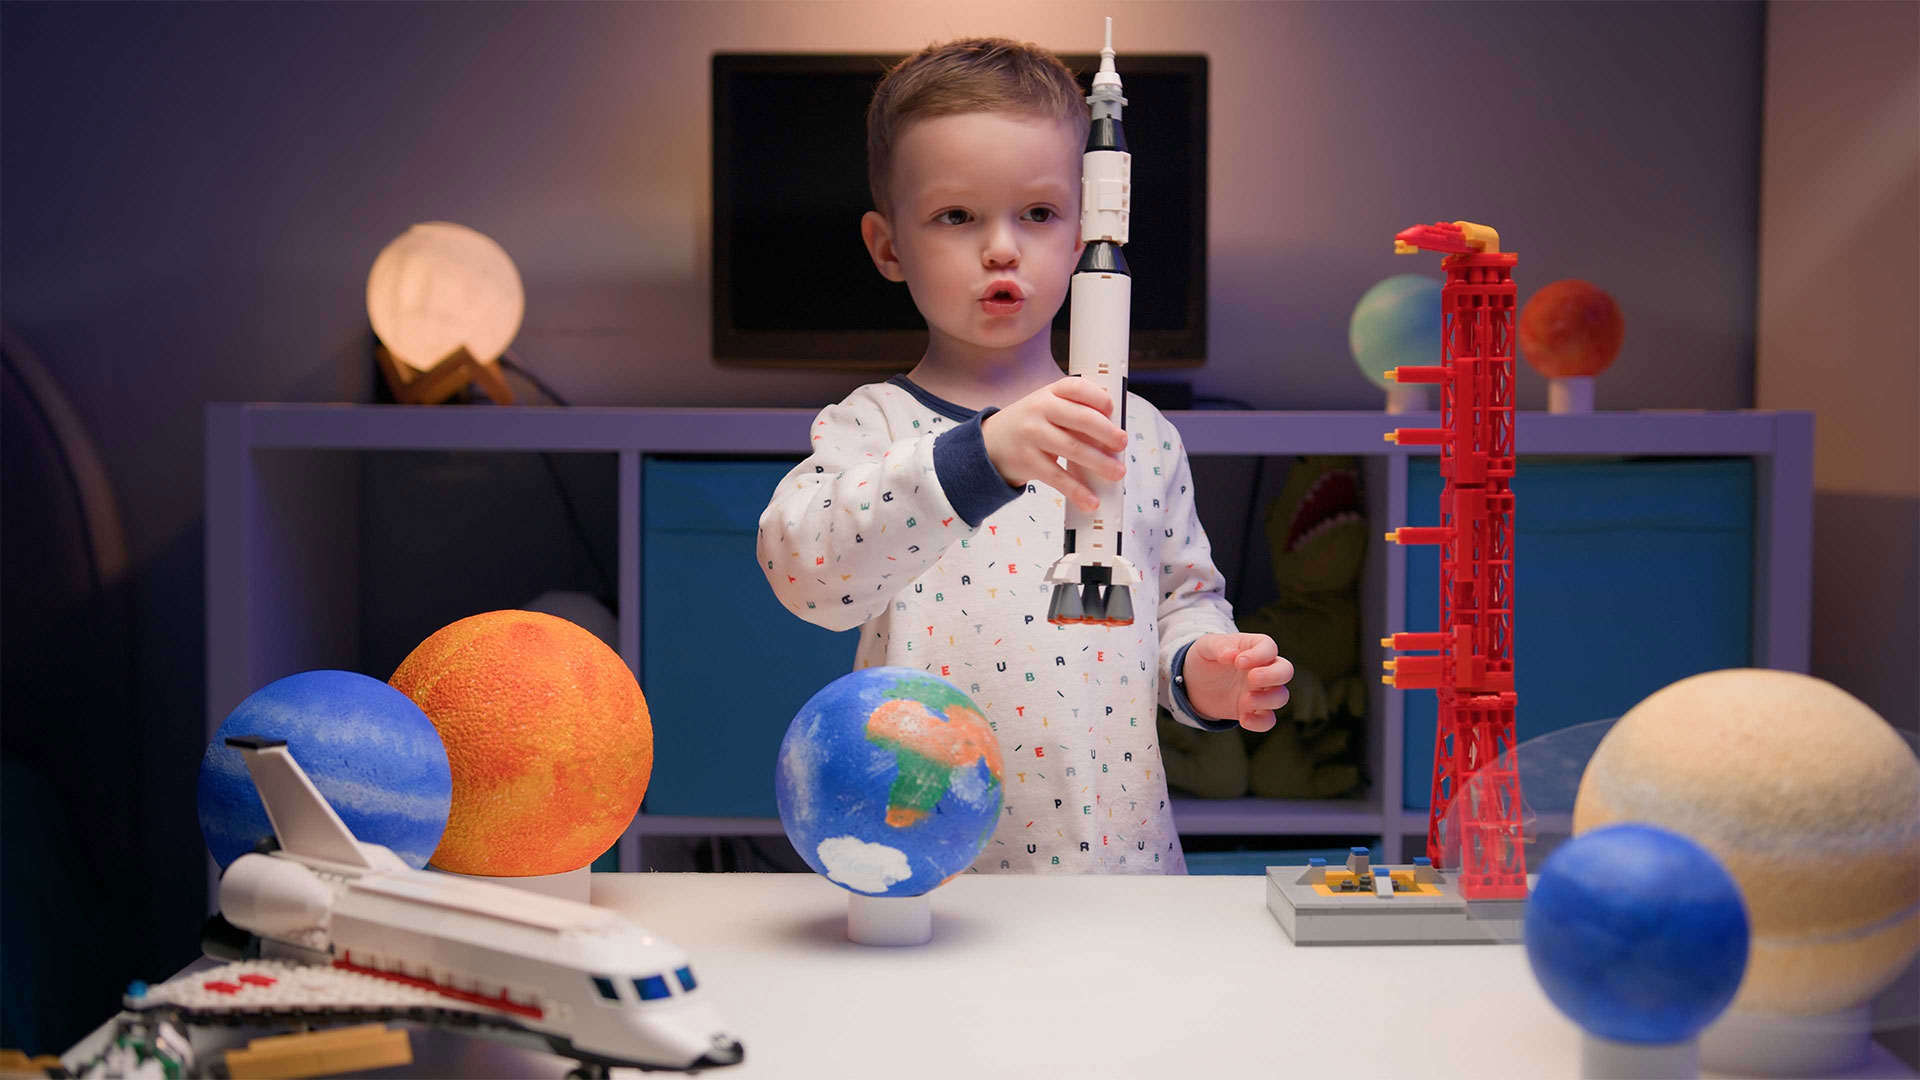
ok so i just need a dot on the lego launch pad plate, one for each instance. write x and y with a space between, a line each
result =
1431 912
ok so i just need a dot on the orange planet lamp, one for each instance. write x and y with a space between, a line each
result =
548 740
1570 331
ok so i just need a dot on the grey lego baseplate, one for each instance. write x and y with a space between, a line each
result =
1436 917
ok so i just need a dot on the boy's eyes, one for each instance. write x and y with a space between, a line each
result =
961 217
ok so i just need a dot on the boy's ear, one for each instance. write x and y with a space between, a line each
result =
877 233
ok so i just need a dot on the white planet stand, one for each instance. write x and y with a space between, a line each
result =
569 885
889 920
1605 1059
1769 1044
1571 394
1407 398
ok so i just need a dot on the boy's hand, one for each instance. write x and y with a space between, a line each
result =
1237 676
1064 419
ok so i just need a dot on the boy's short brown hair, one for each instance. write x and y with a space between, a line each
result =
969 75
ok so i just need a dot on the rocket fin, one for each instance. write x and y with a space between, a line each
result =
302 820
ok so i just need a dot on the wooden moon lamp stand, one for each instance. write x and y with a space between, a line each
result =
452 374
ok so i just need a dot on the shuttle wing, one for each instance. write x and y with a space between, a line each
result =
302 820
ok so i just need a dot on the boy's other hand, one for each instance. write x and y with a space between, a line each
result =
1065 419
1237 676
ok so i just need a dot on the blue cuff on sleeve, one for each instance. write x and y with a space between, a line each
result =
973 485
1180 701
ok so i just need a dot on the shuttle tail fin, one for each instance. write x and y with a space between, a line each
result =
302 819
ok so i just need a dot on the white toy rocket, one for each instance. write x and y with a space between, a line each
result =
1091 582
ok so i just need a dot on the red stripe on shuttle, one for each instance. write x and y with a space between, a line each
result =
532 1012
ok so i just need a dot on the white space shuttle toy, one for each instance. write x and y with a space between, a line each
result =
347 931
1092 583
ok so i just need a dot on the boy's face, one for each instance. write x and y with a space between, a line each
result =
982 201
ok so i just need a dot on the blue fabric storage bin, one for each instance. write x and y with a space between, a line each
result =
1628 575
723 665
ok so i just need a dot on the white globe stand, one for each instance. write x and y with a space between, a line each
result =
1769 1044
1571 394
570 885
1605 1059
889 920
1408 397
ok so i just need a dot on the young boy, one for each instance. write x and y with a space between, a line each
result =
933 503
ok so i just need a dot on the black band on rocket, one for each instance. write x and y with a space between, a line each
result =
1102 257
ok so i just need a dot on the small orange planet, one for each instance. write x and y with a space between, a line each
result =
1569 328
547 737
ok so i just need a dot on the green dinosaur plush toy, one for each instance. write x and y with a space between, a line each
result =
1317 535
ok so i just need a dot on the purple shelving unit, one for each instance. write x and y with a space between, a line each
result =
282 533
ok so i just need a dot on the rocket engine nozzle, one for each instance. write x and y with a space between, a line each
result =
1091 605
1091 594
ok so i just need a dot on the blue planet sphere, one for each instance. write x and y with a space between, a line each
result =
1638 934
1397 322
368 748
889 781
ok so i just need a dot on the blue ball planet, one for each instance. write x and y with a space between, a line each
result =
1397 322
889 781
368 748
1638 934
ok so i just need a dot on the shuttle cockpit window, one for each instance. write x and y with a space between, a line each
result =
685 976
605 986
652 987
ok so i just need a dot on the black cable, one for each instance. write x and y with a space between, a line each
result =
511 361
608 594
1246 532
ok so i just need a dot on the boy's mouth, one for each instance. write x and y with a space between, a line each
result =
1002 298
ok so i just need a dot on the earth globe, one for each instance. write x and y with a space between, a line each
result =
889 784
1397 322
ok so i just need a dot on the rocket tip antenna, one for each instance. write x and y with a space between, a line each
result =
1109 45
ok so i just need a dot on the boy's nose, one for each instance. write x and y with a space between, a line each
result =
1001 249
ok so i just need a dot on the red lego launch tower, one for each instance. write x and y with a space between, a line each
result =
1474 815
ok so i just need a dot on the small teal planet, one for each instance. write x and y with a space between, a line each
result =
368 748
889 781
1638 934
1397 322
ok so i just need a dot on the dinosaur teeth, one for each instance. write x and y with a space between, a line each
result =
1344 517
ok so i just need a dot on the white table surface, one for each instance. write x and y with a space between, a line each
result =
1054 976
1088 976
1041 976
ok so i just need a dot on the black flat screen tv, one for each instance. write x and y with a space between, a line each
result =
792 283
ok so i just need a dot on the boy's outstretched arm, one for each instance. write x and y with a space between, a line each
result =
867 512
1211 676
